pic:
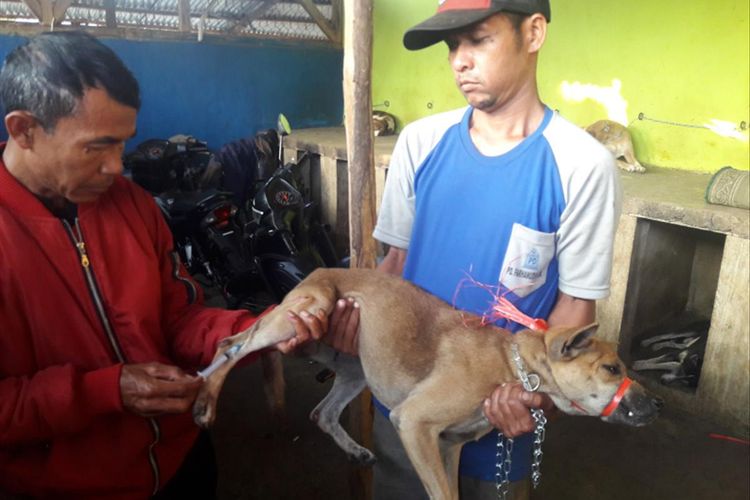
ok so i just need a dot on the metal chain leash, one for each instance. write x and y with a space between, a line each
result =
531 383
536 463
502 476
538 414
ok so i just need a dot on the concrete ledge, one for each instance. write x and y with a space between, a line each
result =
678 197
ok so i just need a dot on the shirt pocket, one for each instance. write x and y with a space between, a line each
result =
527 259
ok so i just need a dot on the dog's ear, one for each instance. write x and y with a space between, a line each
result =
569 343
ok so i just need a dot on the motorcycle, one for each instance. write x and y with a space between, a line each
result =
208 237
181 163
284 236
286 239
254 245
181 175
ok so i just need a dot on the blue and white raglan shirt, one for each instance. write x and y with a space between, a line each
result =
534 220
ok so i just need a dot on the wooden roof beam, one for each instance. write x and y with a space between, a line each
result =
59 8
333 32
49 12
36 8
246 18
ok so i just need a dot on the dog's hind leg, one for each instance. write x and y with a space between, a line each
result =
233 349
349 382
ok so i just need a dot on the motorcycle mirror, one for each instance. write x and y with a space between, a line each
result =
283 128
282 125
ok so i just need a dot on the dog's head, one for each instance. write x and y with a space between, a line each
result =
592 379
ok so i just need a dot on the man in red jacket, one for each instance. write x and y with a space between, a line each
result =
100 326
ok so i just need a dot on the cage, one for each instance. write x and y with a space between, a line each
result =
672 284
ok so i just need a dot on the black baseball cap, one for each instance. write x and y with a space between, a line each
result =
456 14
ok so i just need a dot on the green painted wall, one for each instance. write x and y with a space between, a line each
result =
676 61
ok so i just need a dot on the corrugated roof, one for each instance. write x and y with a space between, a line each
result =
242 18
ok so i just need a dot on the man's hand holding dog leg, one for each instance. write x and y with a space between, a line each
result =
343 332
507 409
339 331
306 326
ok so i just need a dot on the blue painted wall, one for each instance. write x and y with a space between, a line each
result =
222 91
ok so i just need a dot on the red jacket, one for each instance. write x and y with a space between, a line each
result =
63 430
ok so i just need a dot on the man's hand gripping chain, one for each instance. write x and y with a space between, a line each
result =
531 383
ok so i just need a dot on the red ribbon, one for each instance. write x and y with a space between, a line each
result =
501 307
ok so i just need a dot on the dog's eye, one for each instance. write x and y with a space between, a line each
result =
613 369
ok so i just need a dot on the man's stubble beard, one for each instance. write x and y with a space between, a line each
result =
483 104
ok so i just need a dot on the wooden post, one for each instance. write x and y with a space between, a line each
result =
110 13
361 166
359 135
183 14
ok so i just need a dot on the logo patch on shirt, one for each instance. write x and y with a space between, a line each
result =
527 258
532 260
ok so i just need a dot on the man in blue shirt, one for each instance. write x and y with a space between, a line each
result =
504 191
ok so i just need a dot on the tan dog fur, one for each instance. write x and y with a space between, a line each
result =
616 138
434 368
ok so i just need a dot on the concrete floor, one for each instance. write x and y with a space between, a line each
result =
584 459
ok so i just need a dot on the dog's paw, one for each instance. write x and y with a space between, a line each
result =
202 414
363 456
636 168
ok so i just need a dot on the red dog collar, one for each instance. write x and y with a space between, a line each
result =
617 397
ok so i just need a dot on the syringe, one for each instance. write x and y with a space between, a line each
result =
228 354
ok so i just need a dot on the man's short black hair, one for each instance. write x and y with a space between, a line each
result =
48 75
516 20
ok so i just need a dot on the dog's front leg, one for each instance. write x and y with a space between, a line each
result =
419 433
451 453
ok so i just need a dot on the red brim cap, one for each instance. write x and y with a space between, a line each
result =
454 15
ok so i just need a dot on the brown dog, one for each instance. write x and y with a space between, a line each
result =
421 357
616 138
